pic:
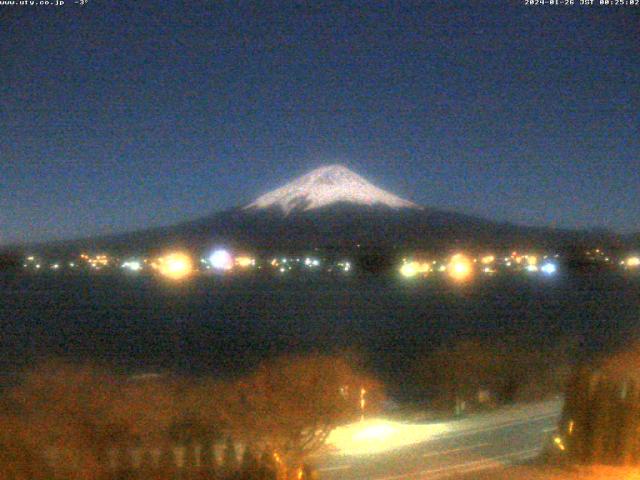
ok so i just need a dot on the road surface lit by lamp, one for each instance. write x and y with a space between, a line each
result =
379 435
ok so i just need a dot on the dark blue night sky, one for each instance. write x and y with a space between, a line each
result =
120 115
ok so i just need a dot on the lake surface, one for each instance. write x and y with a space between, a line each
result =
225 325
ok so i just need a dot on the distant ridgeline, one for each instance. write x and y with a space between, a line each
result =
601 418
333 209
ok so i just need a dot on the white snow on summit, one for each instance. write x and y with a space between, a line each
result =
326 185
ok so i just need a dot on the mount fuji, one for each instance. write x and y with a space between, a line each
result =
335 209
325 186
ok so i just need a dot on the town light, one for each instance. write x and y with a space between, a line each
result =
549 268
409 270
487 259
633 262
221 260
132 265
460 267
245 262
175 266
413 268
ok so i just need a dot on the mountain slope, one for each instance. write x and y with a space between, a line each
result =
334 208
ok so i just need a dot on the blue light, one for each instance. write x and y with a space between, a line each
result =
549 268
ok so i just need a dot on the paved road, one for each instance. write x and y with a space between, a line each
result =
445 450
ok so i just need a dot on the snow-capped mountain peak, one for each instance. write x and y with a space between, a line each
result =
327 185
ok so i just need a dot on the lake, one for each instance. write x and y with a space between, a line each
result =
226 325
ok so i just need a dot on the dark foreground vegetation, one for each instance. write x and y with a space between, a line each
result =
601 418
478 374
79 422
71 422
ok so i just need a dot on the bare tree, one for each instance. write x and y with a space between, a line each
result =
81 422
63 414
508 370
293 403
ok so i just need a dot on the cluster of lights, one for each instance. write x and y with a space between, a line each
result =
96 262
310 262
132 265
598 255
631 262
488 264
488 260
413 268
461 267
285 264
32 261
345 266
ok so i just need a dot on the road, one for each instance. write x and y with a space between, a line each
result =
381 450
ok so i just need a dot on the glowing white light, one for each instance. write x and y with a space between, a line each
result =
379 435
133 265
549 268
221 260
531 268
409 269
